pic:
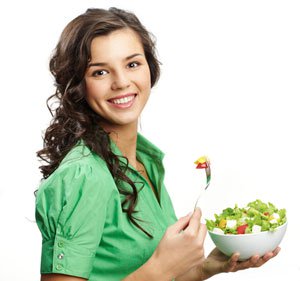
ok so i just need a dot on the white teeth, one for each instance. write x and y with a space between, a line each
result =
123 100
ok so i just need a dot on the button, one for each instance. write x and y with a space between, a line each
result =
60 244
60 256
59 267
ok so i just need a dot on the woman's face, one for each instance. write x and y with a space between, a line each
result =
118 79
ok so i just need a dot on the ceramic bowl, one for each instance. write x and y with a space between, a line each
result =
249 244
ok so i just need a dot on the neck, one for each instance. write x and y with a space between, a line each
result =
125 137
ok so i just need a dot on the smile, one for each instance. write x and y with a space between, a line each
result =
123 101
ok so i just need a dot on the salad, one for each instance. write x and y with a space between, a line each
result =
257 216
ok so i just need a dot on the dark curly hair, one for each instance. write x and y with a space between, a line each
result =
73 119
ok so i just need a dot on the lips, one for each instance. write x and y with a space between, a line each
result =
123 101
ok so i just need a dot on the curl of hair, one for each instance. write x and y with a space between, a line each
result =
73 119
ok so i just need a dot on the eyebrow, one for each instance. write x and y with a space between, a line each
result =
105 63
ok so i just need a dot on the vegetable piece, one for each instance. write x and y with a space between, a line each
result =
231 224
257 216
256 228
222 223
218 230
202 166
241 229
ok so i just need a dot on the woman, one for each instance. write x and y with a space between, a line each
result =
102 207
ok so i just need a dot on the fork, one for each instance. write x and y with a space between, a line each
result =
203 163
201 193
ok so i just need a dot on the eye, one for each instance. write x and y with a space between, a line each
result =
133 64
98 73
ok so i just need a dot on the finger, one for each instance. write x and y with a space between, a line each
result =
194 223
232 263
235 264
270 255
251 262
276 251
180 225
234 258
254 260
202 232
267 257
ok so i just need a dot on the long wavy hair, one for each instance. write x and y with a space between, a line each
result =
73 119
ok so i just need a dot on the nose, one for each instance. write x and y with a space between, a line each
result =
120 81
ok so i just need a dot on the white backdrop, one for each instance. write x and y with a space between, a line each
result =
229 86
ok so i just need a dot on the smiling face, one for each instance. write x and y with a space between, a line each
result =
118 79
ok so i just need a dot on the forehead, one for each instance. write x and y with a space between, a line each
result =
116 45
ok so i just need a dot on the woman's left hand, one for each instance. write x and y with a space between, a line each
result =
216 262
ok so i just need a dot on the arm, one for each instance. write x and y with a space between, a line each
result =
148 272
60 277
61 205
216 263
180 249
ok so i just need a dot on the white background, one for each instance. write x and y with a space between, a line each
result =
229 87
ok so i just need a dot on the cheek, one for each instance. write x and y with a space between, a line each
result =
94 91
145 80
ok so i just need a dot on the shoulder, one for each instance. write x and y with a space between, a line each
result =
71 207
81 170
80 154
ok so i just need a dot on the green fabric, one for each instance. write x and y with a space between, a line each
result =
79 213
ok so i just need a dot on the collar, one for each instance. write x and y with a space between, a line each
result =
144 149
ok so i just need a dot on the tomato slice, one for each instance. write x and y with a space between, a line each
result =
202 166
242 228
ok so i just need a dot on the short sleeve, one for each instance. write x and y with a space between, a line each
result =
70 213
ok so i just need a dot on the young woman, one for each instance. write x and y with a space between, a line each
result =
102 208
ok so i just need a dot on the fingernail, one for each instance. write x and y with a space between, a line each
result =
236 256
198 210
189 214
255 259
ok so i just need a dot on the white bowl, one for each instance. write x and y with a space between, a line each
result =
249 244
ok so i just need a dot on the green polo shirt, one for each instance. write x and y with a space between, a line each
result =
79 213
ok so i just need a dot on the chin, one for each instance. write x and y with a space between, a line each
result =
126 119
121 122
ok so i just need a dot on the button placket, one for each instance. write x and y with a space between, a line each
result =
59 254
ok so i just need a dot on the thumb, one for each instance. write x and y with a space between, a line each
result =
180 225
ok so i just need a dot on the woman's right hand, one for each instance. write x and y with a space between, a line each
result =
181 247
